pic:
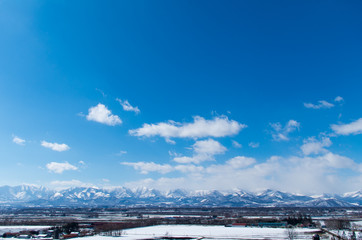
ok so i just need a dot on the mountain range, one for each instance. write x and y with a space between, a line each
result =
35 196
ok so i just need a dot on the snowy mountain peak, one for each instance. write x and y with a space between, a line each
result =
121 196
356 194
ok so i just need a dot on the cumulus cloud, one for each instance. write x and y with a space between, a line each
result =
208 146
203 150
146 167
18 140
281 133
55 146
101 114
58 167
348 129
321 104
313 146
317 171
199 128
339 99
128 107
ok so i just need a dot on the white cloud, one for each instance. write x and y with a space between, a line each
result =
313 146
184 159
189 168
128 107
173 154
18 140
55 146
236 144
217 127
339 99
204 150
240 162
146 167
294 174
321 104
58 167
336 161
254 144
347 129
101 114
101 92
232 165
160 184
170 141
209 146
280 133
59 185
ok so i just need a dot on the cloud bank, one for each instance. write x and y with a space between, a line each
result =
313 146
307 175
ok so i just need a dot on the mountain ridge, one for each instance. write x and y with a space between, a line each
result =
38 196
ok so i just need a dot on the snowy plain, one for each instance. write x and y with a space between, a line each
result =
4 229
206 232
192 231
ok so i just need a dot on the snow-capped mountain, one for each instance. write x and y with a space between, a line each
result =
353 197
23 193
27 195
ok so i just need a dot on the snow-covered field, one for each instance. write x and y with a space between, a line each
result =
207 232
192 231
4 229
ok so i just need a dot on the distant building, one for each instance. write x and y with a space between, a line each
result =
71 235
238 225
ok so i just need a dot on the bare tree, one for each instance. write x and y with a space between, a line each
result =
337 224
291 233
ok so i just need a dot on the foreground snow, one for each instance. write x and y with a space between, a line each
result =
207 232
4 229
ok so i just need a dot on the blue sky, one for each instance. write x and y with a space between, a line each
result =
182 94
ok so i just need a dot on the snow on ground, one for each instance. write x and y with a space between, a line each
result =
347 234
207 232
192 231
4 229
357 223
